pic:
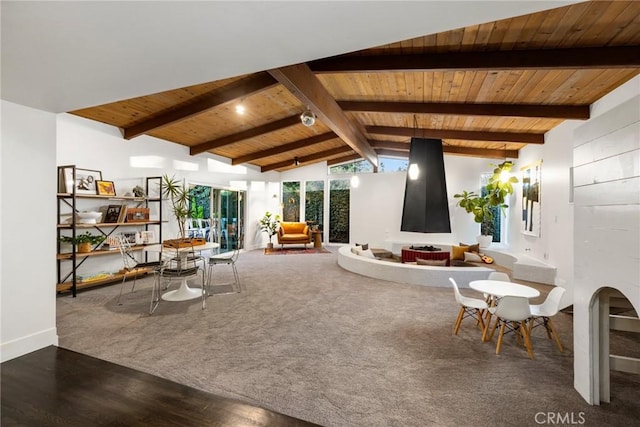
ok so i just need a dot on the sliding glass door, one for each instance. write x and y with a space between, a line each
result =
217 215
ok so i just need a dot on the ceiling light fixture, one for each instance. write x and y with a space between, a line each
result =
296 161
240 108
308 118
355 180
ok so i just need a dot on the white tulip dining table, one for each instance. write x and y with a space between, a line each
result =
499 289
184 292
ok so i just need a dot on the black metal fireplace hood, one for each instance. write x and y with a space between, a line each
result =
426 208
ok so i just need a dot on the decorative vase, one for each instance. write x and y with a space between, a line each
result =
269 245
484 241
84 247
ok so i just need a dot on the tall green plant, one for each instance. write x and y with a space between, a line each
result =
495 193
177 193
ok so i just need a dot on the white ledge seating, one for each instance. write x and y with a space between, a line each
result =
426 275
522 266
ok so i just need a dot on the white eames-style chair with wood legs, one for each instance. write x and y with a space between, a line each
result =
513 312
541 315
469 307
491 300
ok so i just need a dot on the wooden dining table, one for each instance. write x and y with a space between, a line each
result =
498 289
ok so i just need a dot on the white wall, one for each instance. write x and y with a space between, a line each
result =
92 145
606 159
28 221
376 204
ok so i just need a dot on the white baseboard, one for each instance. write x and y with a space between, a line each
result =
23 345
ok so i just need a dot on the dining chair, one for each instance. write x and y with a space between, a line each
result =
490 299
512 313
180 266
131 264
541 314
226 258
469 307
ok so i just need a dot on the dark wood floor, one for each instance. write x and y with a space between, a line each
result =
53 386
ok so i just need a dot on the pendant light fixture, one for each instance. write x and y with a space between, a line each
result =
308 118
355 180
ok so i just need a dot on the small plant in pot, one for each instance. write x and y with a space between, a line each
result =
83 241
493 195
270 224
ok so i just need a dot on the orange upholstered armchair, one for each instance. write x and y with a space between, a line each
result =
294 233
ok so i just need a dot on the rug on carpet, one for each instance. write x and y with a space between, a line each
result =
294 251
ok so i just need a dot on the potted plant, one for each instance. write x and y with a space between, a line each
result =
493 195
178 194
270 224
83 241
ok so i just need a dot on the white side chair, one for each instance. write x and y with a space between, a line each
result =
226 258
541 314
502 277
131 264
513 313
469 307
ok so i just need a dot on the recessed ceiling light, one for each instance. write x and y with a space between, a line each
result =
240 109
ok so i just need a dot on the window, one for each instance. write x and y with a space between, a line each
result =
351 167
314 203
291 201
493 228
339 192
392 164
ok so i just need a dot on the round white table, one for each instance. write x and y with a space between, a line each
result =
500 289
184 292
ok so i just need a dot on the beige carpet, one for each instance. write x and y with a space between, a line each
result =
313 341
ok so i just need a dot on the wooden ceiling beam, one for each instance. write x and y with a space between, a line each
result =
508 110
538 59
307 142
451 149
312 158
304 85
528 138
230 92
246 134
389 145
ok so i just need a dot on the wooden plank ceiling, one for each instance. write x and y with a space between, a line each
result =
486 90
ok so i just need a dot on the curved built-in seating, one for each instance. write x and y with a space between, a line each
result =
522 267
426 275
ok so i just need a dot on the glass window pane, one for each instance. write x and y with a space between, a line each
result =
351 167
314 203
339 190
291 201
391 164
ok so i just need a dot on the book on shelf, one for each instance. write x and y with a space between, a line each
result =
123 214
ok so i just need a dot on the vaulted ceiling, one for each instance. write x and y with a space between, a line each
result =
487 90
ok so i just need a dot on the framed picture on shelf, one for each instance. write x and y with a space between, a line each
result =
113 213
137 214
106 188
85 182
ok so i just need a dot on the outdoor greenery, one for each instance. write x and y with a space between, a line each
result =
314 203
339 191
200 201
291 201
492 197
